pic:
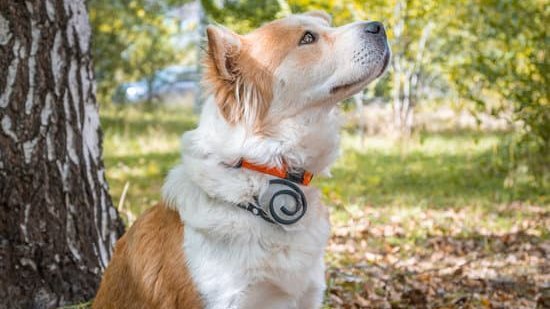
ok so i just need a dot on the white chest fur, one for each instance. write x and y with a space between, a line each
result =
251 271
238 260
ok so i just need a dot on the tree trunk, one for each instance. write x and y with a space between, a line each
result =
397 63
406 74
57 221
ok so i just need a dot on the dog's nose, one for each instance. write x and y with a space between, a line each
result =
374 27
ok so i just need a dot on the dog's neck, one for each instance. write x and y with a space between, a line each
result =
309 141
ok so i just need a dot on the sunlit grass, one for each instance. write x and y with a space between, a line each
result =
140 147
434 171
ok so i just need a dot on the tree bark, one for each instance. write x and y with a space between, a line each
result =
57 221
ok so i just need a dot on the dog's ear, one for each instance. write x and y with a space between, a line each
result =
241 86
223 50
221 70
320 14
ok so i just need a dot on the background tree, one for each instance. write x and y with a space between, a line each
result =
57 221
503 54
133 39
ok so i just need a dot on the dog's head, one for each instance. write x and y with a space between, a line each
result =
290 65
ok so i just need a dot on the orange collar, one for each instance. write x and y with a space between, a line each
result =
299 176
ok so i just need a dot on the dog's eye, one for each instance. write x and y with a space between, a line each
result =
308 38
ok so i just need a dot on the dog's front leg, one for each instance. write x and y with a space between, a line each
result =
220 282
313 295
218 297
231 302
227 295
267 295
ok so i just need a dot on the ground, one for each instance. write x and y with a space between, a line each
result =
431 223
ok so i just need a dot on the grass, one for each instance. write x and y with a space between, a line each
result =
390 202
440 171
140 147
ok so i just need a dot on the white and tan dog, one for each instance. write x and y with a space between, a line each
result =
272 112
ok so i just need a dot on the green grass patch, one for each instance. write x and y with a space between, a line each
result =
140 147
438 171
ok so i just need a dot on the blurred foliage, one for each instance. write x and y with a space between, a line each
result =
503 55
132 39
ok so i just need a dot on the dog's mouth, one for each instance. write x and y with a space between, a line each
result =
386 62
343 88
365 80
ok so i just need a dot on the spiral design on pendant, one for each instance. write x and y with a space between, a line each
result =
287 204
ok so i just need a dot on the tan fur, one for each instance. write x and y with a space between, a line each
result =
233 62
148 269
220 72
272 43
229 70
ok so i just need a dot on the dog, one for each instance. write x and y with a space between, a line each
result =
239 227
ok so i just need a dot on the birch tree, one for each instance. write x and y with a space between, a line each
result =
57 221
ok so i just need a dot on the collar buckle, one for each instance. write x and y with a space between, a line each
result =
257 211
